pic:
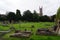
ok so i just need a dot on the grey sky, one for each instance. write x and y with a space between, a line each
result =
49 6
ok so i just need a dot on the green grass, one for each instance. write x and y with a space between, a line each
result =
22 26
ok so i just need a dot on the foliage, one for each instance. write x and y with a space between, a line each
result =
27 16
18 15
35 16
58 13
11 16
44 18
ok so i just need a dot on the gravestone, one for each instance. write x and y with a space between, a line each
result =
12 28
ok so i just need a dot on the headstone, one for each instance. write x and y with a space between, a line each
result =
12 28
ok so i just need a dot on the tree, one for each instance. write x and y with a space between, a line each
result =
58 21
18 15
58 14
35 16
53 18
3 17
27 15
11 16
44 18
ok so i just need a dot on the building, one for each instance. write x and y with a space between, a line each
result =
40 11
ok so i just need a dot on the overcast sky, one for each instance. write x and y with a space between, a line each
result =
49 6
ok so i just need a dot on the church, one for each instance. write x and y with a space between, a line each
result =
40 11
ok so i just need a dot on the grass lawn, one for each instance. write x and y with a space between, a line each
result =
27 25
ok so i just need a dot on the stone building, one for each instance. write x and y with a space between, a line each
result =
40 11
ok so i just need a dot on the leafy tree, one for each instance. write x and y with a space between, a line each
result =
53 18
44 18
35 16
58 14
18 15
58 20
11 16
27 15
3 17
